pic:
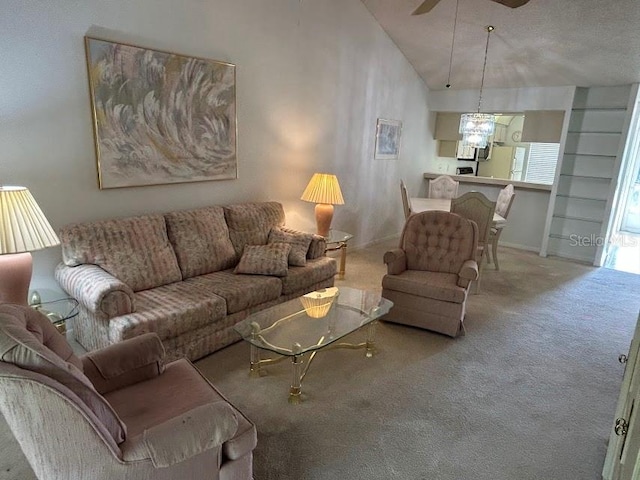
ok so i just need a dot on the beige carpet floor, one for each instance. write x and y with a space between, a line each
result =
528 393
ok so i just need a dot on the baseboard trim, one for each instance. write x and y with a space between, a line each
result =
528 248
375 242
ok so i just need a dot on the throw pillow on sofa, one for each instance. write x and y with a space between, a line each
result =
270 259
299 244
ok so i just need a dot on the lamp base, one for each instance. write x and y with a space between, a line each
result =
15 277
324 215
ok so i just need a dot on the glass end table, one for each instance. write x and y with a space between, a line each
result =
337 240
57 308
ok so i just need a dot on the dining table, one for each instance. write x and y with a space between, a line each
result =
421 204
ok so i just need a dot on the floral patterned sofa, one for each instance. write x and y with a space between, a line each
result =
186 275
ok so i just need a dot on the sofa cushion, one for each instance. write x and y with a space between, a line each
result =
169 311
135 250
201 241
301 278
299 242
250 223
271 259
436 285
239 291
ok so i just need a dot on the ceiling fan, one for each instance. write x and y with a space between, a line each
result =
428 5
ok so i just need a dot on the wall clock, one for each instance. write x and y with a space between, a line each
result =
516 136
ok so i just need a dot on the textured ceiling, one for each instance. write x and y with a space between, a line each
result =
543 43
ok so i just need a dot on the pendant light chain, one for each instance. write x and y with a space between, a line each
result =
484 67
453 41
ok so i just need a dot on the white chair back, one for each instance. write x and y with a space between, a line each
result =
443 187
406 202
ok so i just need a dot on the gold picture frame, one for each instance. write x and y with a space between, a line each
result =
160 117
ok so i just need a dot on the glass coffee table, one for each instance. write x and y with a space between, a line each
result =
299 328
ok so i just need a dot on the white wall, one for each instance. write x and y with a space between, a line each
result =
312 78
528 214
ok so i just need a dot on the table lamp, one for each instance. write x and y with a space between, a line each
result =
324 191
23 229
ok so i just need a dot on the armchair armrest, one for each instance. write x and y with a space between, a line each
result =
317 247
125 363
97 290
183 437
396 261
468 273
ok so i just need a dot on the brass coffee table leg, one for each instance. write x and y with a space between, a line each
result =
371 340
254 368
296 380
343 259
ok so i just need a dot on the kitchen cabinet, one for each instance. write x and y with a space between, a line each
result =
542 126
447 126
465 153
447 148
500 134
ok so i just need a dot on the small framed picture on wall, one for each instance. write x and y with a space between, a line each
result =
387 139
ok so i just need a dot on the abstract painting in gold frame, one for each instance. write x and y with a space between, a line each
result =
160 117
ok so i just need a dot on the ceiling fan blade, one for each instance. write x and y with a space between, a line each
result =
425 7
512 3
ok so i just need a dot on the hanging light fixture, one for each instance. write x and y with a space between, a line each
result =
453 43
476 128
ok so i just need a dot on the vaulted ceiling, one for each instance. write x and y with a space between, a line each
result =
543 43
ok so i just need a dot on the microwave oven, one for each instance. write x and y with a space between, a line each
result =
482 154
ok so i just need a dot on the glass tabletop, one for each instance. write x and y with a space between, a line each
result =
312 321
337 236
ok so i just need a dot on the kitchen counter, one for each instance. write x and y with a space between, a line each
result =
492 181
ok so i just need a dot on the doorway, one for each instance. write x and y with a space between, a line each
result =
623 245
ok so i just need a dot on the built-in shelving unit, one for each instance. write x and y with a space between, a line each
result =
587 176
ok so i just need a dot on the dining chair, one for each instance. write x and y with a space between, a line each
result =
443 187
503 206
406 202
478 208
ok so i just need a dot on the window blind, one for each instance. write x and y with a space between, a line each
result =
541 167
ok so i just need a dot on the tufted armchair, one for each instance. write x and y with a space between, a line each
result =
119 412
429 275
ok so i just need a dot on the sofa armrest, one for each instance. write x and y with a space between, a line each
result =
396 261
180 438
124 363
317 247
468 273
97 290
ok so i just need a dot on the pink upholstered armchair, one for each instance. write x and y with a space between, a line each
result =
116 413
430 273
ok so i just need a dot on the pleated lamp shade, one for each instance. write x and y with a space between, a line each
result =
324 191
23 226
323 188
23 229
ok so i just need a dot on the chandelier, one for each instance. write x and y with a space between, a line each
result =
476 128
